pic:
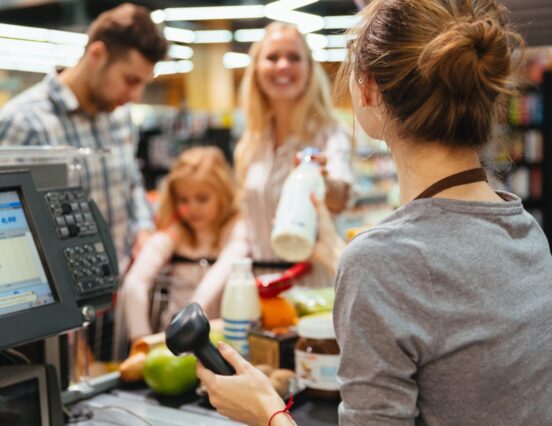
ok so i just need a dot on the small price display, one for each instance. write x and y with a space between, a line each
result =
7 220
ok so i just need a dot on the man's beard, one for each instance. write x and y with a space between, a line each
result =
101 103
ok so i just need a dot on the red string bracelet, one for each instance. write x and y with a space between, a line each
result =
285 410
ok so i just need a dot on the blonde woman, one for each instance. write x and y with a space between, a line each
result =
198 225
286 100
443 310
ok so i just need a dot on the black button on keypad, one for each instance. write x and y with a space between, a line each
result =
66 208
73 230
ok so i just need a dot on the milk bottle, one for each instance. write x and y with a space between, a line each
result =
241 307
294 231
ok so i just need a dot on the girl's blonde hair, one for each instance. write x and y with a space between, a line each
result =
207 165
443 67
311 113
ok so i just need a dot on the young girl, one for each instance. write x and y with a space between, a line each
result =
198 220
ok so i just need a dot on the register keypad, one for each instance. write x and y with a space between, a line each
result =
71 213
89 265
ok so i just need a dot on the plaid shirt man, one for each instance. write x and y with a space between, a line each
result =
49 114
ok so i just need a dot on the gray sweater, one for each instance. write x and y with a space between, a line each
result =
444 317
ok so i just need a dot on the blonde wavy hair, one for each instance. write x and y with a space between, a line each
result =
206 165
311 113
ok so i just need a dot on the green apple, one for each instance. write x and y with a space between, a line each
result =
168 374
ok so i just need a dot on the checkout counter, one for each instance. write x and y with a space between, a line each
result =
57 266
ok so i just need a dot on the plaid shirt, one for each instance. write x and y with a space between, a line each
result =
49 114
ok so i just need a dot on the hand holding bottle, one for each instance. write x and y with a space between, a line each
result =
337 192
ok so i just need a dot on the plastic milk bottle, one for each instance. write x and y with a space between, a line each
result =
295 225
241 307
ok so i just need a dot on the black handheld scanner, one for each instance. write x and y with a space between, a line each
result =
189 332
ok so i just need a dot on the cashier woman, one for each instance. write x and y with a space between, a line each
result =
442 311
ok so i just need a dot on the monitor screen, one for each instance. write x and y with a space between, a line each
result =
20 404
23 281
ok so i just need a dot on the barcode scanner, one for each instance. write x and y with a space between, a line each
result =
188 331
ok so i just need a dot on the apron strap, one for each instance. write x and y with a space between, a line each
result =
457 179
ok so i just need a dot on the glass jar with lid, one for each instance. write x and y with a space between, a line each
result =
317 356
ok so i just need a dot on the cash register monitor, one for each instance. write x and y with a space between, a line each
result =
36 298
23 281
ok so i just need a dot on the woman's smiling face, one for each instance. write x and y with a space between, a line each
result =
282 66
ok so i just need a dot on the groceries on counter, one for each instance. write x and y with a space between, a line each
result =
168 374
280 378
274 342
273 348
317 356
294 232
309 301
132 369
271 285
277 313
241 308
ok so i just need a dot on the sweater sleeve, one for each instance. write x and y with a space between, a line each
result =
382 323
234 245
139 282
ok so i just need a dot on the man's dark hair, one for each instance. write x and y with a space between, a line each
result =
128 27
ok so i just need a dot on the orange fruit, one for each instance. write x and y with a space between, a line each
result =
277 312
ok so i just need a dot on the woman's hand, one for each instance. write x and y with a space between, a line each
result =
329 245
337 192
247 397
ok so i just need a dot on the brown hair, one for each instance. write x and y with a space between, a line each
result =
311 113
442 66
128 27
205 164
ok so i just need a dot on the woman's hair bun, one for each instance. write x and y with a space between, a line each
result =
469 57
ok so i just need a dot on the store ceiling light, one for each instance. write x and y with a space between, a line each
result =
14 65
316 41
158 16
329 55
179 35
340 22
172 67
40 63
279 10
337 40
66 37
213 36
30 49
291 4
250 35
180 52
236 60
305 22
43 35
212 12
